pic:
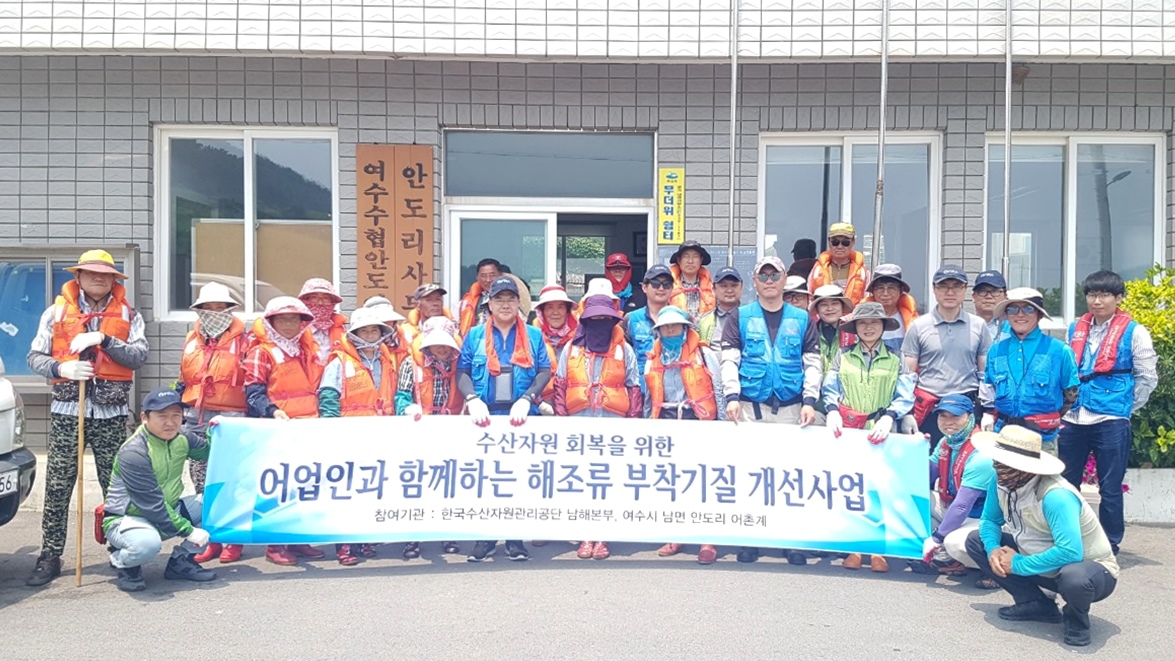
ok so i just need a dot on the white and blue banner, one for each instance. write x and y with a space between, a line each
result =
389 479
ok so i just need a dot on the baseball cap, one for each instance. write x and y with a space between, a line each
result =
769 260
950 272
160 399
842 229
426 289
617 259
795 283
502 285
727 272
991 278
657 271
956 404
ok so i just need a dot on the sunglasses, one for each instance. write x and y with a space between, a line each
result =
1017 309
769 277
840 242
660 284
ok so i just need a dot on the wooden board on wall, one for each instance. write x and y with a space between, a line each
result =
394 189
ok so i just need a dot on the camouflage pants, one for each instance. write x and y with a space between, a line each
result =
104 437
197 425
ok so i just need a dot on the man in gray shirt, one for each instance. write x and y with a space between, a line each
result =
947 349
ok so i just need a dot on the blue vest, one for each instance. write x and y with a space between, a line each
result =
767 369
1039 391
640 329
483 383
1109 394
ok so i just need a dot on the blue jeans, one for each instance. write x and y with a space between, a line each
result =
1110 442
136 541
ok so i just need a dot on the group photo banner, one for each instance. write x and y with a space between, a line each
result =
391 479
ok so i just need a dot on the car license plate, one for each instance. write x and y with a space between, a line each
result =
9 482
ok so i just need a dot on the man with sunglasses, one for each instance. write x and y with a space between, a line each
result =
1034 376
638 324
840 264
771 364
947 348
990 290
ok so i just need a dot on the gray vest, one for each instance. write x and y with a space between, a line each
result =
1024 521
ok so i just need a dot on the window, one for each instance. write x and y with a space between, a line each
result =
238 204
25 292
1069 193
808 182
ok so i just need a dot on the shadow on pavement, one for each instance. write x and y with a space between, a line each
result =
1100 630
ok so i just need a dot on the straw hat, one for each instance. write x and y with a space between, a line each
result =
1019 448
96 261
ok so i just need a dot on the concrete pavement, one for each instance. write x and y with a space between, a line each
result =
632 606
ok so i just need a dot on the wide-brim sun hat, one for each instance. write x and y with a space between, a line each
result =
364 317
214 292
96 261
831 292
438 338
1019 448
671 314
891 272
387 313
320 286
795 284
287 305
1021 295
553 294
599 306
690 245
869 310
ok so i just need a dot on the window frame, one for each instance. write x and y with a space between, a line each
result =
127 253
1070 141
163 134
847 140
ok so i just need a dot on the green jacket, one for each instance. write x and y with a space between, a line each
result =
147 481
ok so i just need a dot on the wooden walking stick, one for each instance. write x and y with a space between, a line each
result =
81 478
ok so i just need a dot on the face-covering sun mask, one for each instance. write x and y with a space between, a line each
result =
213 323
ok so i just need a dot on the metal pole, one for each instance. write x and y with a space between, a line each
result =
1007 138
733 125
879 194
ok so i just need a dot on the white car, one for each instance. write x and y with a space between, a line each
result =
18 466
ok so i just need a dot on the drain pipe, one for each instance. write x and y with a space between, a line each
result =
1007 137
734 15
879 194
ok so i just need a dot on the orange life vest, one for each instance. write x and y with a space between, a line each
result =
293 382
425 379
69 321
468 309
213 371
906 306
822 275
360 395
705 286
699 385
610 392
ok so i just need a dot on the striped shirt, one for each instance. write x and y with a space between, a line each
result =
406 383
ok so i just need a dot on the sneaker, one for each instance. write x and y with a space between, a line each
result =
345 556
411 551
1041 610
48 568
450 547
482 550
130 579
184 568
1076 628
922 567
517 552
748 554
796 558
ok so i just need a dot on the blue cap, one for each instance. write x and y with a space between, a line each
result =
956 404
991 278
950 272
503 284
656 271
160 399
727 272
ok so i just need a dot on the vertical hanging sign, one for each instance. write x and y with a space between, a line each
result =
671 206
395 229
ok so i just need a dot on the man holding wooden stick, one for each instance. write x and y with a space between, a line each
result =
92 339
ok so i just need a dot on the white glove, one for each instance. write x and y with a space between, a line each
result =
834 423
519 412
987 423
909 424
199 537
77 370
84 341
479 412
930 549
881 429
546 409
415 411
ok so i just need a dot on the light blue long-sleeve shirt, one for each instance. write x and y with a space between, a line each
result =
1062 510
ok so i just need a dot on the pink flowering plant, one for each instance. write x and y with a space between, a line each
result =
1089 475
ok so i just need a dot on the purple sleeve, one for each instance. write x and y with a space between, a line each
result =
957 513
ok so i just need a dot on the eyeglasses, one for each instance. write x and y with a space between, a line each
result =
886 287
1012 310
795 296
768 277
988 293
840 242
660 284
954 289
1100 296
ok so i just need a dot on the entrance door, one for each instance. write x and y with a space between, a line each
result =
524 242
585 240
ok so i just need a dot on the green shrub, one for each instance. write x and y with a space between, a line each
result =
1151 301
